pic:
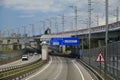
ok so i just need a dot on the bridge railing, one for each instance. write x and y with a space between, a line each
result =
102 28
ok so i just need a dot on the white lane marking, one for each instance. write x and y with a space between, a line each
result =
59 69
41 70
78 70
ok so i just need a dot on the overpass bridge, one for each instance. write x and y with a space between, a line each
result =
97 35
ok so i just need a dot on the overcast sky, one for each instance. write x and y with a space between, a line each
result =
18 13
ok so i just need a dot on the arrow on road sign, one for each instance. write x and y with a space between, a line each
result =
100 58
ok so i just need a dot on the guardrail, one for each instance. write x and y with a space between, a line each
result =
15 67
99 77
21 71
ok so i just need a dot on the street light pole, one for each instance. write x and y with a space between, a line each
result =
89 28
106 38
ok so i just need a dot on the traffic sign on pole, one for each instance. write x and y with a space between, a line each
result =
71 41
67 41
100 57
56 41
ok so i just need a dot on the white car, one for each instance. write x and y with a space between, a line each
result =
24 57
35 53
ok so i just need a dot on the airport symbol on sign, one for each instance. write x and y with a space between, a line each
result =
100 58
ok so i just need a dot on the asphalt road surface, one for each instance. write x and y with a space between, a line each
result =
60 68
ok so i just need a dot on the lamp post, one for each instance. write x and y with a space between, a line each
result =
106 37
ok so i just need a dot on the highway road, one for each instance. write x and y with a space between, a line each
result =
60 68
20 62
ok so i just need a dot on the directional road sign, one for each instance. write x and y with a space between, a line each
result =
56 41
71 41
65 41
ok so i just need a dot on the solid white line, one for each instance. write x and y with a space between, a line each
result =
41 70
59 69
78 70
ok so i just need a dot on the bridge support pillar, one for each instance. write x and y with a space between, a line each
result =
63 49
44 52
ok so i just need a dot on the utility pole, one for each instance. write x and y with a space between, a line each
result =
24 30
97 17
76 24
76 19
63 47
18 31
0 34
72 25
40 31
56 26
63 23
89 28
117 14
43 22
33 29
8 33
106 38
63 17
50 23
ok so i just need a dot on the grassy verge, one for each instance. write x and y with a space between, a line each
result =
21 70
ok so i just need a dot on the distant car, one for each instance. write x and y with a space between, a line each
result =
24 57
35 53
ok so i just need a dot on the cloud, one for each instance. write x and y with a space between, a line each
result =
27 16
31 5
61 6
37 5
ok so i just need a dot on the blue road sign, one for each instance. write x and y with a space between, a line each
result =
56 41
71 41
65 41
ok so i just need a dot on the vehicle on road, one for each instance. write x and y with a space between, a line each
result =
24 57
